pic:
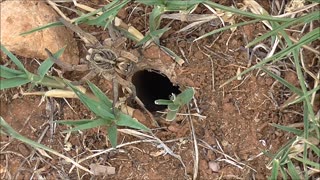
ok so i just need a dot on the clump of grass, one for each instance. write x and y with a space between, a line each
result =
105 115
17 77
100 105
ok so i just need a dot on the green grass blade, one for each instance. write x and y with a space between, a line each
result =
163 102
306 125
53 24
113 135
74 122
304 19
247 14
171 115
306 161
177 58
181 5
227 28
14 59
305 96
100 95
292 170
184 97
288 129
109 14
153 35
13 82
6 72
46 65
92 124
86 17
282 81
172 5
315 149
275 169
100 109
154 18
173 107
126 120
283 173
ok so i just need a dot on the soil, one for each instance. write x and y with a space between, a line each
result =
237 117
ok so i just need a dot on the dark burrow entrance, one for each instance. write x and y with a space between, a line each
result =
150 86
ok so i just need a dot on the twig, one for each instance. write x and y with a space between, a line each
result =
184 114
228 159
54 6
196 150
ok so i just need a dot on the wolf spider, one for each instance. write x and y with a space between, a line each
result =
106 59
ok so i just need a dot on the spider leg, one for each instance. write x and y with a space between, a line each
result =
132 91
115 89
66 66
89 39
89 76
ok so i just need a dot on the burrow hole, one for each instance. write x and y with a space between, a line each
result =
152 85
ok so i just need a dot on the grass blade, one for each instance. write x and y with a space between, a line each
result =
172 5
73 122
99 94
184 97
153 35
282 81
154 19
305 96
53 24
315 149
288 129
163 102
275 168
292 171
307 161
8 73
98 108
283 173
178 59
113 135
14 59
126 120
171 115
109 14
92 124
13 82
226 28
46 65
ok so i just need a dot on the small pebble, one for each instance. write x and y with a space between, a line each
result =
214 166
224 143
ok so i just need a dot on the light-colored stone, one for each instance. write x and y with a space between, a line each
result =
21 16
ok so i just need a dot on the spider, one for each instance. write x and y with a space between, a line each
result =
106 59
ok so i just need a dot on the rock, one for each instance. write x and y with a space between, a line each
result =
21 16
